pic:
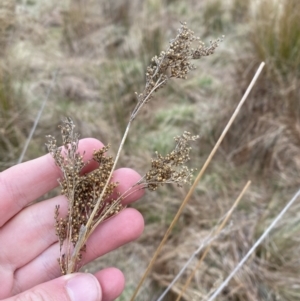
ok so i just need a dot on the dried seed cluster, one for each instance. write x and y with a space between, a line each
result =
174 62
171 168
82 191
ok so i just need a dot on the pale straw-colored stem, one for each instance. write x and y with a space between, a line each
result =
187 283
203 169
258 242
87 230
118 156
37 118
141 103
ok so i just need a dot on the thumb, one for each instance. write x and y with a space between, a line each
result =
74 287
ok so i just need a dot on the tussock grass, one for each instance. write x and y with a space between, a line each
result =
214 16
7 23
268 135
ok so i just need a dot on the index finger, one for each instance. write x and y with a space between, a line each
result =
23 183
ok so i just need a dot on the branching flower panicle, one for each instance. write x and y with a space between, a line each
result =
174 62
90 199
170 168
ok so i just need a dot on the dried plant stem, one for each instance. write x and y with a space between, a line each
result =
88 229
219 229
257 243
206 243
199 176
139 105
209 239
72 261
38 116
110 175
85 230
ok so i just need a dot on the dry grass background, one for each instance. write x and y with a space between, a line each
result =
101 49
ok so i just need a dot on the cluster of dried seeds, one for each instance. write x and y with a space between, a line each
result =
170 168
174 62
82 191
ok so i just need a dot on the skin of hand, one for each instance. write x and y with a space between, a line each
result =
28 245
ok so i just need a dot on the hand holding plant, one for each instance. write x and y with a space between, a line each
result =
95 193
29 247
92 197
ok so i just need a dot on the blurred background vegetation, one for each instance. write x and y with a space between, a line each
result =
101 50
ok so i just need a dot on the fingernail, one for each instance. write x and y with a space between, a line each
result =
83 287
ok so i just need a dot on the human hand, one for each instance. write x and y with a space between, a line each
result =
28 244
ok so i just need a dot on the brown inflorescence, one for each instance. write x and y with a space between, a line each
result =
90 196
81 190
171 168
174 62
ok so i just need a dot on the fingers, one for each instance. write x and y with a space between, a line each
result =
33 228
77 287
126 178
112 283
32 231
73 287
113 233
127 226
23 183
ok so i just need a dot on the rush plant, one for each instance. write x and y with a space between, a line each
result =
91 197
